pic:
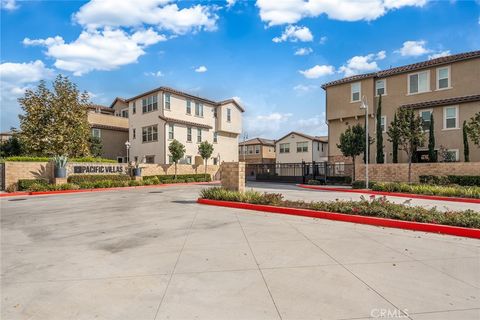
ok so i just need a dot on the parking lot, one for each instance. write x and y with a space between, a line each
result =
154 253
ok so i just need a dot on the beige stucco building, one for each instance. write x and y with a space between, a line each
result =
257 151
447 87
161 115
296 147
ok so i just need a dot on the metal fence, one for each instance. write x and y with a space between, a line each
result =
300 172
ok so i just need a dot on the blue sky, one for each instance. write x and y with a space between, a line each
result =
271 55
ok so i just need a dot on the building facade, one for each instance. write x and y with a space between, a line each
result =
447 87
257 151
296 147
159 116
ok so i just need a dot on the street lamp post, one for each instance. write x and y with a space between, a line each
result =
244 149
364 105
127 145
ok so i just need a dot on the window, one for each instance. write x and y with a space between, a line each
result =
302 146
443 78
199 135
149 104
339 167
257 149
120 159
134 108
425 116
198 109
96 133
284 147
170 132
149 159
135 159
188 159
215 161
229 114
150 133
215 137
134 133
383 121
167 101
189 107
250 149
124 113
170 159
356 91
214 112
450 155
189 134
322 146
380 87
450 116
418 82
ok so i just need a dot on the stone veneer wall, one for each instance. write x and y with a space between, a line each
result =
27 170
233 176
398 172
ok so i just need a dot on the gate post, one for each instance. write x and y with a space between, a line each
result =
314 169
326 171
303 172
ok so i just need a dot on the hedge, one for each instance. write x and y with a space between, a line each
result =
24 184
360 184
46 159
379 207
451 179
447 191
170 178
79 178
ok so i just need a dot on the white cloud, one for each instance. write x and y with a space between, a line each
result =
323 40
161 13
98 50
294 34
9 5
231 3
302 88
154 74
362 64
291 11
303 51
439 54
314 126
201 69
413 48
318 71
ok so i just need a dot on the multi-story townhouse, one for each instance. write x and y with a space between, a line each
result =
447 87
257 151
296 147
159 116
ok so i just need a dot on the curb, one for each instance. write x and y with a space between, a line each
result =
40 193
393 194
374 221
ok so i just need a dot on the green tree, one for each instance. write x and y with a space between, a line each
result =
96 146
432 155
55 121
473 129
352 143
11 147
380 154
410 134
177 151
205 150
466 148
393 135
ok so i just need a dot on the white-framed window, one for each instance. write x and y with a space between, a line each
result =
97 133
381 87
425 115
134 133
339 167
229 115
198 109
450 117
189 134
215 137
150 133
171 135
257 149
451 155
284 147
250 149
419 82
188 159
149 104
170 158
383 123
443 78
166 101
356 91
302 146
134 107
199 135
189 107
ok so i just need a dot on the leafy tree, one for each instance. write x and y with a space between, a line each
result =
177 151
11 147
205 150
432 155
466 148
393 136
410 134
380 154
352 143
96 146
55 121
473 129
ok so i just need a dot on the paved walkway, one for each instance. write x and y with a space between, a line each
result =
156 254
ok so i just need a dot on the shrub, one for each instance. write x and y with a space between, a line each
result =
190 180
79 178
170 177
46 159
38 187
135 183
450 179
24 184
360 184
447 191
315 182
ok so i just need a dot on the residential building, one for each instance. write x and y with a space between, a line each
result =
447 87
257 151
111 128
159 116
5 136
296 147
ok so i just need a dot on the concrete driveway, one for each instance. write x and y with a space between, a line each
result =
153 253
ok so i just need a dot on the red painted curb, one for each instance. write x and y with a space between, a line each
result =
374 221
393 194
38 193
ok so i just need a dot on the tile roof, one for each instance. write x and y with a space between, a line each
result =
104 126
314 138
101 107
261 141
407 68
188 123
443 102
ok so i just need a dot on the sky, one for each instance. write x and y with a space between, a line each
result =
270 55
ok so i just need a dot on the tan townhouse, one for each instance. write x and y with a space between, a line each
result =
297 147
257 151
447 87
159 116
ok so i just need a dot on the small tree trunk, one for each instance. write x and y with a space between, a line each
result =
175 170
409 169
353 158
206 167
